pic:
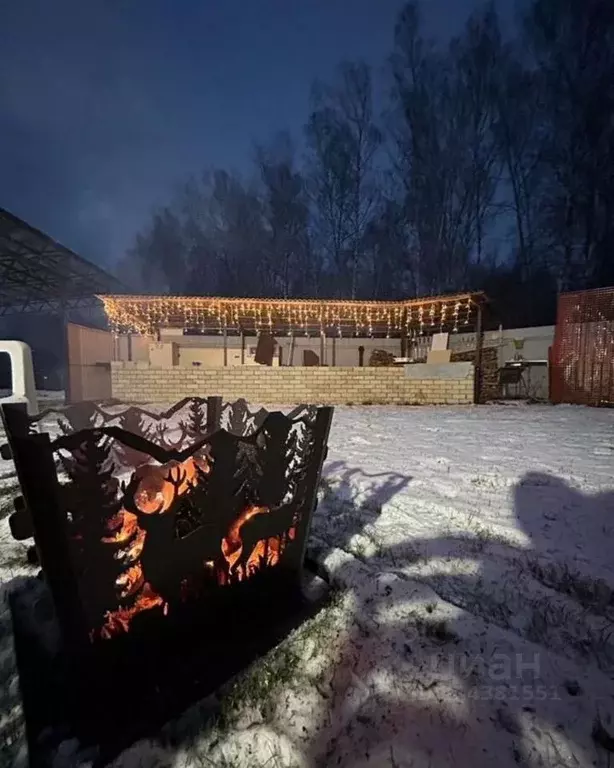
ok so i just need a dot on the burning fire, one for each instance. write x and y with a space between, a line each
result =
119 620
157 489
232 545
133 551
130 581
160 487
124 530
266 552
131 584
121 527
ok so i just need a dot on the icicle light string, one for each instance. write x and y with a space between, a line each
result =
145 315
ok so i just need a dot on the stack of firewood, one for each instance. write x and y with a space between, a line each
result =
380 357
489 371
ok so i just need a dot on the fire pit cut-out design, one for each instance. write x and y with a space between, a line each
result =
128 549
174 428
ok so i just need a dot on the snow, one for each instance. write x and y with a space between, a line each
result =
471 554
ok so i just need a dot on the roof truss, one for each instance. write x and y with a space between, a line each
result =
38 275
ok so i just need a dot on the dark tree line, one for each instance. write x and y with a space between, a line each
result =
491 167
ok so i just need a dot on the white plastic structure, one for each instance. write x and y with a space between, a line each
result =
22 375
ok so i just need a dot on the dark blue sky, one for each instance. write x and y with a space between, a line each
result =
105 106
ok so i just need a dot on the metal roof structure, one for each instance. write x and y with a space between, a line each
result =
39 275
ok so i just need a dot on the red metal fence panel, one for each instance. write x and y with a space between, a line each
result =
582 370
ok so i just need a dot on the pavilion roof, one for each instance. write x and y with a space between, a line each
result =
147 314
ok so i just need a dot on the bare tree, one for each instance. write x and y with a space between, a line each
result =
483 134
343 140
446 155
157 260
429 157
286 216
225 229
390 269
477 58
519 140
572 48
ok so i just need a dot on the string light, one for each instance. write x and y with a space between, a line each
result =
457 306
468 315
408 320
146 314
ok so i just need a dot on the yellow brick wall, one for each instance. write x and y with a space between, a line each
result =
141 383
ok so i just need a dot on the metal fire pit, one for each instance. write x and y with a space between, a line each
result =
173 550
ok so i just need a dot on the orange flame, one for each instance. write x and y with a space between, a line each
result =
119 620
130 581
159 487
134 550
266 552
122 527
232 544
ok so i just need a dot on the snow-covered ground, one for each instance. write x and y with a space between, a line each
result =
472 555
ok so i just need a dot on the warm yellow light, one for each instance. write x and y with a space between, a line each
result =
146 314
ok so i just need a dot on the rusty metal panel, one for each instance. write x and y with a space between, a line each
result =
583 352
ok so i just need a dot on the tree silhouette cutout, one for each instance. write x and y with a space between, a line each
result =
197 420
93 507
298 455
271 446
132 421
64 425
193 508
238 418
249 473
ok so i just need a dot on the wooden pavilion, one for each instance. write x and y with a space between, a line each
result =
295 317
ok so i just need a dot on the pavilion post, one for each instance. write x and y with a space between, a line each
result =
479 343
225 346
334 352
291 360
322 348
242 346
